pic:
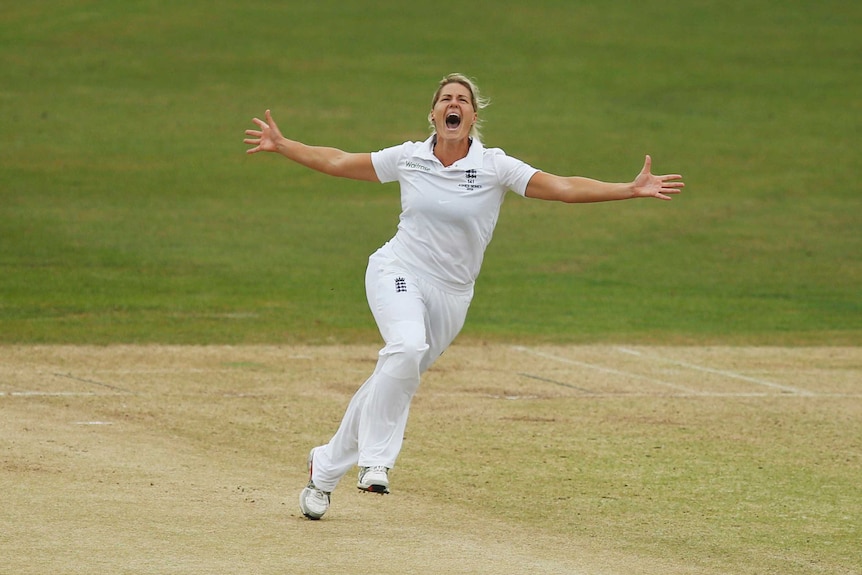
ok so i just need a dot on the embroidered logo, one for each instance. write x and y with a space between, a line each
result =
400 285
471 180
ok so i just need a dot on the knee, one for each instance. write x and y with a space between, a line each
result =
405 359
412 353
405 354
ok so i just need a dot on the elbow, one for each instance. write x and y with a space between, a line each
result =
551 188
341 165
567 194
332 167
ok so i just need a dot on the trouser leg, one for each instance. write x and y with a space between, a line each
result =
337 457
386 406
418 323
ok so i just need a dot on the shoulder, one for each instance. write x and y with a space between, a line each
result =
403 150
497 154
405 147
388 162
498 159
488 158
511 173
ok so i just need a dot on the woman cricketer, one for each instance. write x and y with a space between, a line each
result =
420 283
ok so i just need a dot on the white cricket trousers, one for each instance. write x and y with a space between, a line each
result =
418 321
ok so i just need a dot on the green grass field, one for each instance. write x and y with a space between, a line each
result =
131 213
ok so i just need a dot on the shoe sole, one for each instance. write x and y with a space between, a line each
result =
381 489
375 483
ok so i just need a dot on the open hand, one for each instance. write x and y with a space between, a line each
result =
266 139
646 185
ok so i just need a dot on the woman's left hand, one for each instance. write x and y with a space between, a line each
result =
646 185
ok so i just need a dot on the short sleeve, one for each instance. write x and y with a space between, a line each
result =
512 173
386 161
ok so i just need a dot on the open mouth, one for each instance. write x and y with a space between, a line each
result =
453 120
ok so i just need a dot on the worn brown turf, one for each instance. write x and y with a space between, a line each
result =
543 460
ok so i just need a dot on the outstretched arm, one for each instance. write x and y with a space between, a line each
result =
575 189
330 161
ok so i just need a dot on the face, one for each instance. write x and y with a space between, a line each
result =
453 114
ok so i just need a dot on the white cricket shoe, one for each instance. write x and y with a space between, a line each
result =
313 502
374 479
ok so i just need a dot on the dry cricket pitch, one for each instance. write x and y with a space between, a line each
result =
155 459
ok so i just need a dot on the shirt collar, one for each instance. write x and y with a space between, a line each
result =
473 160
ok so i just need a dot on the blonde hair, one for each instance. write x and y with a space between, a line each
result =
479 102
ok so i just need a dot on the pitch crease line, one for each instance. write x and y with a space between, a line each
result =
722 372
94 382
604 369
555 382
54 394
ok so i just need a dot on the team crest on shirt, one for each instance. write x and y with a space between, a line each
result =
471 184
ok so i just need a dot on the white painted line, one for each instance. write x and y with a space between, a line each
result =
93 423
721 372
52 394
681 395
625 374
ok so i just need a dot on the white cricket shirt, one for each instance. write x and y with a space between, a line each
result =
448 214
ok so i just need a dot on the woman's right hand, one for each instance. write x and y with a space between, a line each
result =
266 139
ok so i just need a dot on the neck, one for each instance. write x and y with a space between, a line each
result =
450 151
